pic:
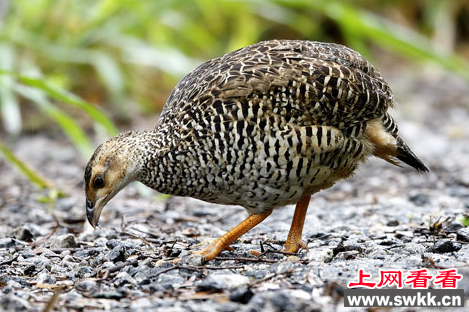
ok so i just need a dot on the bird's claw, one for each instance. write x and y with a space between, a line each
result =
294 246
211 251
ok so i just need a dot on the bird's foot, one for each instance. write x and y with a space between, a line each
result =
223 242
293 246
210 252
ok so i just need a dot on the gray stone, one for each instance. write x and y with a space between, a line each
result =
37 264
6 242
64 241
87 285
445 246
393 223
241 295
45 278
282 302
116 254
193 259
124 278
171 279
11 302
454 227
27 254
89 252
419 199
209 285
85 271
113 243
231 280
463 234
22 233
284 267
110 294
98 260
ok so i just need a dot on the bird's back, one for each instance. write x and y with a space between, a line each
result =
269 123
331 83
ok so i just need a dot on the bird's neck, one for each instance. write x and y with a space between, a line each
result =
153 161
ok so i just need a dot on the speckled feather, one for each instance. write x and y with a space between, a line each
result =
267 124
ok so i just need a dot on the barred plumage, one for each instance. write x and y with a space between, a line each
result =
261 127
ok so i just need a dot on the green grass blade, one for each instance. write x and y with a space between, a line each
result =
27 171
71 99
71 129
389 35
112 77
62 95
398 38
9 106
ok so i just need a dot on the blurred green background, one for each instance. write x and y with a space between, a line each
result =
82 69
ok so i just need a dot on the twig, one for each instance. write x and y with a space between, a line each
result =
247 259
9 261
209 267
52 302
118 267
194 268
143 239
268 277
44 239
146 232
279 252
274 250
265 278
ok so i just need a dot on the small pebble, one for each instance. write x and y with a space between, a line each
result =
193 259
445 246
84 271
64 241
231 280
454 227
11 302
87 285
116 254
282 302
463 234
242 295
209 286
111 294
419 199
393 223
46 278
124 278
22 233
6 242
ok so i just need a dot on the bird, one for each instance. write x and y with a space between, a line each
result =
262 127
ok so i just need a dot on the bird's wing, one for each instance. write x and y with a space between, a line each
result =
311 83
280 85
330 83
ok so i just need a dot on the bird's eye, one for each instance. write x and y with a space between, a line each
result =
98 182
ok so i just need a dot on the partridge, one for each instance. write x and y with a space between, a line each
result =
261 127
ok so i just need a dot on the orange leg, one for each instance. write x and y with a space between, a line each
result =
223 242
294 242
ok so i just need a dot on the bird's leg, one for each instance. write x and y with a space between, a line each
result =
221 243
294 242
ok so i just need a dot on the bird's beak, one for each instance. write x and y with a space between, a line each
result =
93 210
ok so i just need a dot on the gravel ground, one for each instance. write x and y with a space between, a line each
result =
383 218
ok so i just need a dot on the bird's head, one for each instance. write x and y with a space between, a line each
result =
109 170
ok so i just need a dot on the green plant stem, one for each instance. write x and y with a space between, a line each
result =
25 169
